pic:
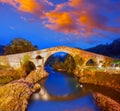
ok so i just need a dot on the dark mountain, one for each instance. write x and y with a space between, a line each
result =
1 49
112 49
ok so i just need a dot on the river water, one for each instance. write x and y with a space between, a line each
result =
62 92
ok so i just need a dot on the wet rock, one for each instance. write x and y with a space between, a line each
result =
100 78
36 86
35 76
14 96
106 103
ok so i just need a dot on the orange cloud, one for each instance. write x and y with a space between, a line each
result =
75 2
61 19
83 17
29 6
60 22
23 5
80 17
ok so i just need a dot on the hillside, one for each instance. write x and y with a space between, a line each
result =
112 49
1 49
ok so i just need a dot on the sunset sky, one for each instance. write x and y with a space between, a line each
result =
49 23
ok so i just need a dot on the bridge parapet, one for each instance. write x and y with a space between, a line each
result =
16 59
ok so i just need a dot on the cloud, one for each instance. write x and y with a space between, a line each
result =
30 6
60 21
81 17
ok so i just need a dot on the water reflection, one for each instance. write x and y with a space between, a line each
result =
85 103
60 92
60 84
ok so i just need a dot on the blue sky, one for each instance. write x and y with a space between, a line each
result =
54 23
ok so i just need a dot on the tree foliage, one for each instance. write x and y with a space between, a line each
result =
65 63
19 45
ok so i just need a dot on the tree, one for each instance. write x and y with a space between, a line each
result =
19 45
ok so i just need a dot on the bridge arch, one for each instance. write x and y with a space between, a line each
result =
59 60
74 52
91 62
65 50
35 56
29 66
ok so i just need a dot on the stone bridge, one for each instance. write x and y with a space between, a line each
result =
39 57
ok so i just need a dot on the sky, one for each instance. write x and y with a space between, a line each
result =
50 23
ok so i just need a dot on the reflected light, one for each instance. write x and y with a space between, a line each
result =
43 94
81 85
117 68
100 65
36 96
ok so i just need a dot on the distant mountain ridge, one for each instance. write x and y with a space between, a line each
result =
2 49
111 50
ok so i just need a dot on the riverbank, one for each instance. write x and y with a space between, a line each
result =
8 74
110 79
101 78
14 96
106 103
93 75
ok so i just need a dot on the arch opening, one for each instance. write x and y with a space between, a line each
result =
91 62
38 57
28 67
61 61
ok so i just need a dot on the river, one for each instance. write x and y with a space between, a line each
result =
62 92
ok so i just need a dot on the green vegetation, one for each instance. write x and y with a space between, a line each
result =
8 74
79 61
19 45
68 65
90 73
116 63
4 66
27 65
25 59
